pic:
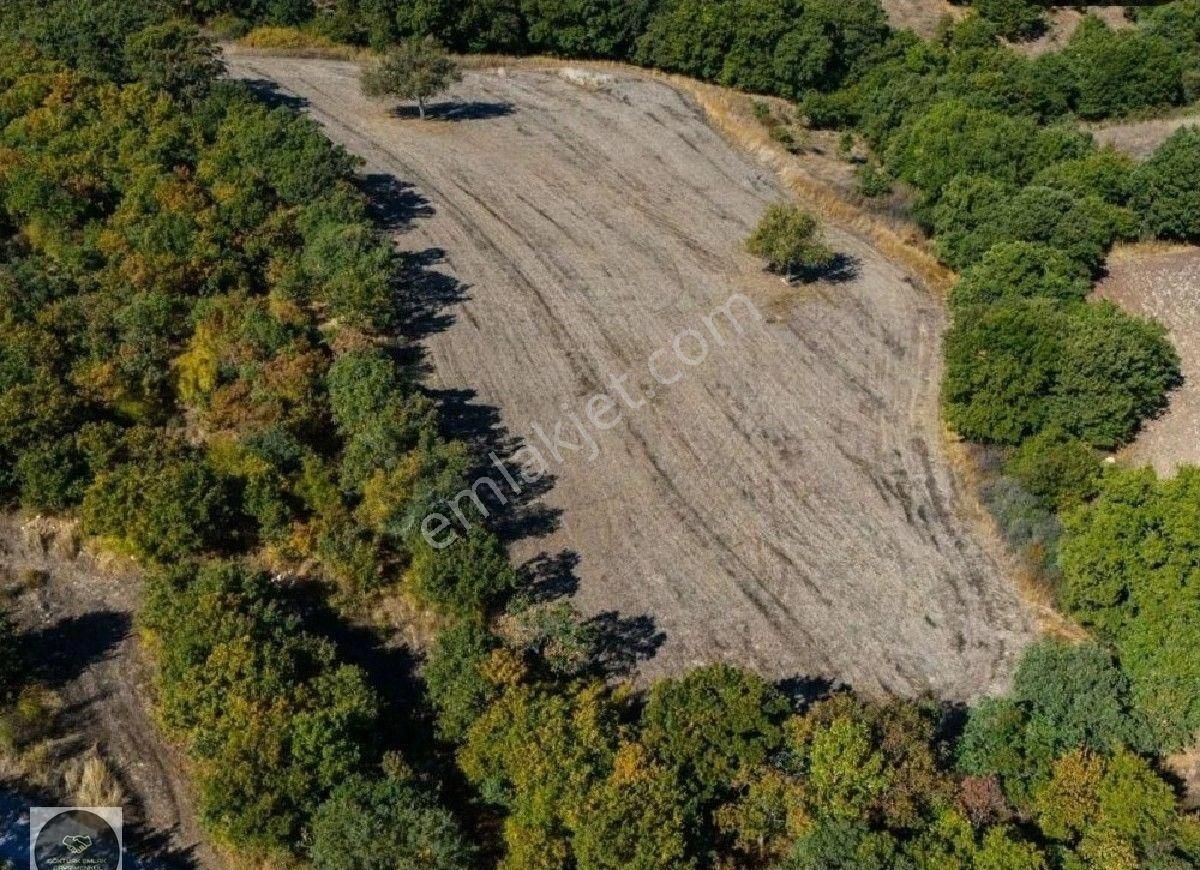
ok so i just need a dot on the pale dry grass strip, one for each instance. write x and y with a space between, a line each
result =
1050 621
294 42
90 781
1126 251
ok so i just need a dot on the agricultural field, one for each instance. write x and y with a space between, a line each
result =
787 503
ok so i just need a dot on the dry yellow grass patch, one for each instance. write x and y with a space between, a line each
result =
296 42
90 782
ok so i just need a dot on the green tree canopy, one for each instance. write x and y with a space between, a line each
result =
788 238
416 69
386 824
1167 188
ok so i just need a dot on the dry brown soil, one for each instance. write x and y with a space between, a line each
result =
77 610
1140 138
921 16
786 504
1164 284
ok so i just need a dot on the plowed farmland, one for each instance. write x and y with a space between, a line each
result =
784 503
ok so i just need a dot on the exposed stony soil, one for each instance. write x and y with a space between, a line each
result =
77 610
786 504
1164 285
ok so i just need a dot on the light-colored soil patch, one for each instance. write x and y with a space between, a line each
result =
921 16
785 505
1140 138
1164 284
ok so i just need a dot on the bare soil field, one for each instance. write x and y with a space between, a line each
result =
921 16
1164 284
1140 138
77 608
785 504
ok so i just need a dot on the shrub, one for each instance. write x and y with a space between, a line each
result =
1001 365
463 577
454 676
1167 188
293 40
1014 19
1017 367
977 213
873 182
362 384
175 58
464 25
162 510
417 69
710 723
1105 173
954 139
274 720
585 28
384 824
1130 563
1061 471
767 46
1029 526
1114 371
1118 72
787 238
1064 696
1013 270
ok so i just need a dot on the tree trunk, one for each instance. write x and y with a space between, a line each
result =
421 107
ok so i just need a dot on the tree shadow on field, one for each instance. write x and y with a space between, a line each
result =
619 643
74 643
455 110
511 499
804 691
427 298
269 92
394 204
513 506
546 577
841 270
623 642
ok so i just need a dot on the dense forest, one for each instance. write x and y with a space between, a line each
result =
196 362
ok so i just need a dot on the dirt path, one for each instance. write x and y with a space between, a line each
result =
785 504
79 615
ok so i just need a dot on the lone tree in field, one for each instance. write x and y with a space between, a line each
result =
790 241
416 69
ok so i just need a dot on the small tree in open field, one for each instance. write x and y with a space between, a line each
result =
788 238
416 69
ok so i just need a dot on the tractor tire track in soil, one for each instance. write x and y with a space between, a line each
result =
787 505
